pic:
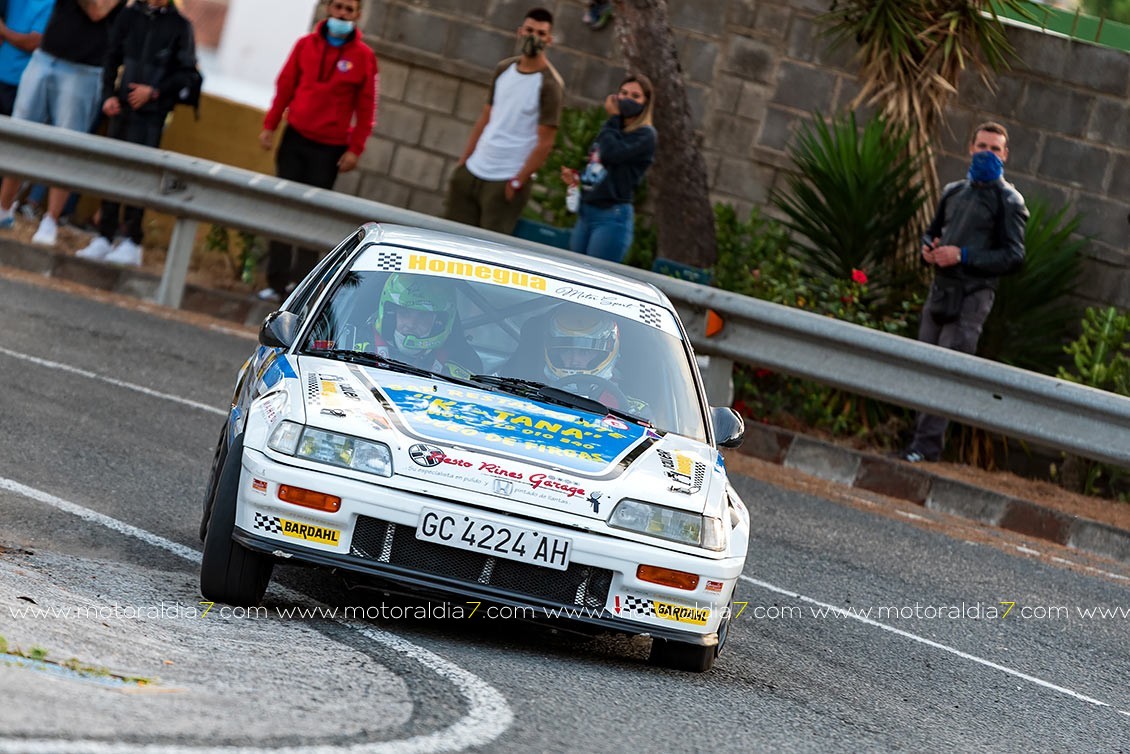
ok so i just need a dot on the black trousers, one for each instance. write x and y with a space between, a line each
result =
304 161
137 128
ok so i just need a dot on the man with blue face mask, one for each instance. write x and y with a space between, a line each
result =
328 90
976 236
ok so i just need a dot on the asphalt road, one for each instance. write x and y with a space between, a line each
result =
862 630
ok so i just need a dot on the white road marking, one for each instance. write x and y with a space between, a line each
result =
936 645
911 516
488 715
111 381
1027 550
234 333
1101 572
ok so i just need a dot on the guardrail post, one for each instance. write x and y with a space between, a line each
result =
718 379
171 290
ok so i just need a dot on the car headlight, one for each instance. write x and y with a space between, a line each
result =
669 523
330 447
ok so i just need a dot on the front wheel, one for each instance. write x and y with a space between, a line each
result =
679 655
229 572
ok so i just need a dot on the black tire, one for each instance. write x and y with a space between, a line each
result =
213 478
679 655
229 572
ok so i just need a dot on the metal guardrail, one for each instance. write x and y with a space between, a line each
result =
982 393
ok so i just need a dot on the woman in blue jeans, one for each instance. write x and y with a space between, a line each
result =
618 158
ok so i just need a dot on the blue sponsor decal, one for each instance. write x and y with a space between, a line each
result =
275 369
498 423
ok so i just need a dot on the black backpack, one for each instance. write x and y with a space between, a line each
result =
189 94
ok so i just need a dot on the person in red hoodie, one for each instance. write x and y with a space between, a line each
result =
328 89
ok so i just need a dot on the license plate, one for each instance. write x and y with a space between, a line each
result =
487 536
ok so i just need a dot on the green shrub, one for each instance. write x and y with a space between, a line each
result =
852 198
1100 358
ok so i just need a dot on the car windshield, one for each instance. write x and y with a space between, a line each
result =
512 330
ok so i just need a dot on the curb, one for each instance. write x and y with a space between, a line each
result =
897 479
850 468
130 281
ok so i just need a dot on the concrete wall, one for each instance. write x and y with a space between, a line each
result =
754 68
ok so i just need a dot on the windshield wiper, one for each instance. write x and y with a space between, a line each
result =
376 360
549 394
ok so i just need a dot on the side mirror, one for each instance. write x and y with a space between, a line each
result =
729 429
279 329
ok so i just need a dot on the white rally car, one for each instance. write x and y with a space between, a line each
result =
438 414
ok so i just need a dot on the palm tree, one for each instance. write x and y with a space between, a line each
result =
911 54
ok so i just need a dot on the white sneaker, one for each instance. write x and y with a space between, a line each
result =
269 294
48 232
96 249
126 252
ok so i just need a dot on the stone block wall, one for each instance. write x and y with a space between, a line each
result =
754 69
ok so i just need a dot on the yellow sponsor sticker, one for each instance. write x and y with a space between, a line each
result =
310 533
681 613
475 271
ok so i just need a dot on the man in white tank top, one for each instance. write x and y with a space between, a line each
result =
513 135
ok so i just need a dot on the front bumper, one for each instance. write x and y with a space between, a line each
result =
374 533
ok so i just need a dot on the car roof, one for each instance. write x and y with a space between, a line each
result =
492 253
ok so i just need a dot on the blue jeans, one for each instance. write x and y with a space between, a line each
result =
59 93
604 233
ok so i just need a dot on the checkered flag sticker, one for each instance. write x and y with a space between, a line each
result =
633 605
269 524
389 261
650 316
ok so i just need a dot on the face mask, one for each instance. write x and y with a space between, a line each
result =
629 108
531 45
338 27
985 167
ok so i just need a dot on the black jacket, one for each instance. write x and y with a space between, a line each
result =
987 221
153 47
618 160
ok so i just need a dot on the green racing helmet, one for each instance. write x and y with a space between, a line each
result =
416 293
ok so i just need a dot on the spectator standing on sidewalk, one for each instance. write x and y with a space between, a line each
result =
21 31
61 86
623 151
328 89
152 48
976 236
597 14
513 135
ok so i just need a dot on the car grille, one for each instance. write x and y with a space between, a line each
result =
396 544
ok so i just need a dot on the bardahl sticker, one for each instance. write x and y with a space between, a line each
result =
322 535
636 606
681 613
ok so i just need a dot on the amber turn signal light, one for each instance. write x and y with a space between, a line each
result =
667 577
714 323
309 498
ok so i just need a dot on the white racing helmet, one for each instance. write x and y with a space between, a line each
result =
581 340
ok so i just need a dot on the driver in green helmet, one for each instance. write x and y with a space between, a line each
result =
414 323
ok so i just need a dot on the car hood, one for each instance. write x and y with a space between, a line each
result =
501 445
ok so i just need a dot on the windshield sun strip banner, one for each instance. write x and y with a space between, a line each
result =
399 259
